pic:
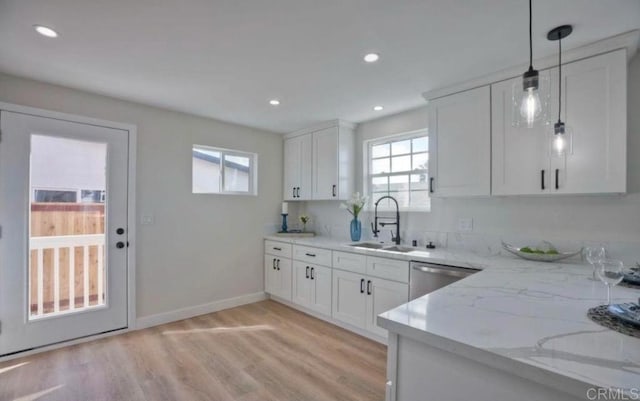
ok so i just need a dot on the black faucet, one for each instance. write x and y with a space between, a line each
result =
374 226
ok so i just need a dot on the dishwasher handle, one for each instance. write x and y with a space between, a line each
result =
444 270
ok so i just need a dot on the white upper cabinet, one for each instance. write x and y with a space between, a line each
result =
594 109
297 167
326 160
460 144
594 104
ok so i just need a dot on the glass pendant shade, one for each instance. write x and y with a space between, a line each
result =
560 140
530 102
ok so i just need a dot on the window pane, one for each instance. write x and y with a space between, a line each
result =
421 161
206 170
399 183
401 147
380 166
420 144
402 198
380 150
419 181
400 163
379 184
419 198
236 173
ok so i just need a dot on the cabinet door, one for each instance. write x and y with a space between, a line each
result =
301 288
519 155
291 167
594 110
383 295
284 278
305 164
349 298
460 143
321 289
325 164
271 282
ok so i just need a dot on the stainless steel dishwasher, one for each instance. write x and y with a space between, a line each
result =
428 277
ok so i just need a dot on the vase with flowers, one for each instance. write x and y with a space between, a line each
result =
355 206
304 219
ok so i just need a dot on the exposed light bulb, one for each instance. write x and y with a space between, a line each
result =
559 144
530 106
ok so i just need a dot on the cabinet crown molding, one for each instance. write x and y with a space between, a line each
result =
628 40
321 126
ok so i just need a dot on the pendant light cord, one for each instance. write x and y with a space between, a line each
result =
559 77
530 36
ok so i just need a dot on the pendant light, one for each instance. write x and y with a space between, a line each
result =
561 138
529 107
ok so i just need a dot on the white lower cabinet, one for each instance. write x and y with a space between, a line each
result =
385 295
277 276
312 287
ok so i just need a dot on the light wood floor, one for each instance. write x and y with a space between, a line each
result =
263 351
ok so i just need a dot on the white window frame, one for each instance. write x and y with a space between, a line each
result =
367 161
253 169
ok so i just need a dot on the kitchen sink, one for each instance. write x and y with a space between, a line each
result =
398 248
367 245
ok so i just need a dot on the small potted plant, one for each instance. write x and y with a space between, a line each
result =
304 219
355 206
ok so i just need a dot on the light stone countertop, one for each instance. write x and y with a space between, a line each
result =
525 317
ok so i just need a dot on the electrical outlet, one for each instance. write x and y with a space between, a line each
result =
465 225
147 220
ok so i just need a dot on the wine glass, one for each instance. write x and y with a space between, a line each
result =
594 254
610 272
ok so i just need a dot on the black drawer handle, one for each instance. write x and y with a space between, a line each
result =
368 287
313 255
542 180
312 276
431 184
557 179
277 249
307 273
361 286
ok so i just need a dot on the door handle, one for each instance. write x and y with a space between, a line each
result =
278 263
333 191
362 286
307 274
297 192
431 184
312 276
120 231
557 179
368 287
293 192
120 245
542 180
274 264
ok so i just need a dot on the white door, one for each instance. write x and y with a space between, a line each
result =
301 288
63 211
320 296
271 277
284 278
520 155
460 143
383 295
291 168
349 298
325 164
304 191
594 111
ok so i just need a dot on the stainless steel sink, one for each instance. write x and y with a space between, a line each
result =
367 245
398 248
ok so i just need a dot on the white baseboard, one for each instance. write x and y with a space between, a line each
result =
191 311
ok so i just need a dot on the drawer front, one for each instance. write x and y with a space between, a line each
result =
390 269
276 248
312 255
350 262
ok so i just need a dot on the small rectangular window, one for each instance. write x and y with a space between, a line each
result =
398 166
223 171
55 196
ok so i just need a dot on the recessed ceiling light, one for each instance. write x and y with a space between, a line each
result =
274 102
45 31
371 57
378 108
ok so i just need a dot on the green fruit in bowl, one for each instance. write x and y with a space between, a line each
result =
552 252
526 249
539 251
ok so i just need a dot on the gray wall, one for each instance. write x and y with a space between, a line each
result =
201 248
591 218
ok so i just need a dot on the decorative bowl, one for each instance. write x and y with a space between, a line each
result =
540 257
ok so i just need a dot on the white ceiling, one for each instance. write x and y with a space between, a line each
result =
226 58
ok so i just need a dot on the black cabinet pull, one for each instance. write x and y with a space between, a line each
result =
293 192
274 264
368 287
313 255
307 274
312 276
120 231
277 249
333 191
120 245
542 180
278 263
297 192
361 286
557 179
431 184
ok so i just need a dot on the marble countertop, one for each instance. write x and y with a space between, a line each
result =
525 317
